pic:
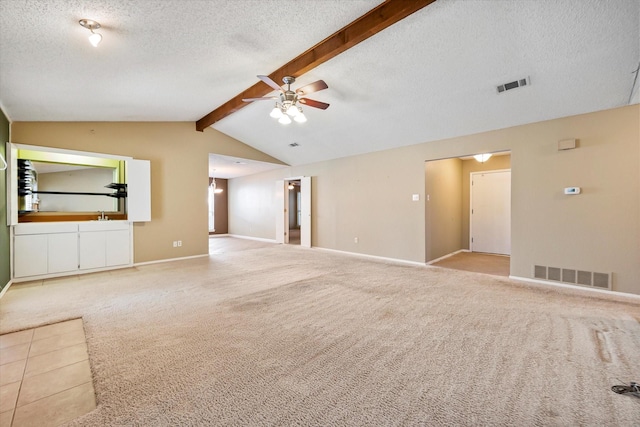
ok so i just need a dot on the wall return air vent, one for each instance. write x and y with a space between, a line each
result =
575 277
514 85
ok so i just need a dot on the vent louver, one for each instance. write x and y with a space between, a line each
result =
513 85
579 277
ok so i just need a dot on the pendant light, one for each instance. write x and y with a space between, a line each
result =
90 24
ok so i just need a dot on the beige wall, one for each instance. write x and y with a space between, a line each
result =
179 173
443 207
369 196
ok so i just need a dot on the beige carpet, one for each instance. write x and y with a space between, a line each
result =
280 335
478 262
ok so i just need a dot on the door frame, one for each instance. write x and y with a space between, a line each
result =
282 210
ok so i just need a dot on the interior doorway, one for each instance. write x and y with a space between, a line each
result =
293 222
294 212
448 204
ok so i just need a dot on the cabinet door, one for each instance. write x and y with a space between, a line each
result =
138 190
63 252
30 255
117 247
92 249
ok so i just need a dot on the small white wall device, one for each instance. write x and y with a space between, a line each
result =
572 190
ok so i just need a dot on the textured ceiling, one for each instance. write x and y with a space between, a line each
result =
428 77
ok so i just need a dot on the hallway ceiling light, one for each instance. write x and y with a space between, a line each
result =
90 24
482 157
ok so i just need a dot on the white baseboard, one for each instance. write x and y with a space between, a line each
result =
259 239
6 288
158 261
601 292
379 258
218 235
447 256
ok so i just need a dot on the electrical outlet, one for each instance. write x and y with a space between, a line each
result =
179 242
175 244
355 240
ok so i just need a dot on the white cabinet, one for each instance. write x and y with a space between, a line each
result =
104 244
62 252
30 252
49 249
117 250
92 249
45 248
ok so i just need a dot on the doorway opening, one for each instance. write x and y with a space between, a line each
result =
450 213
294 212
293 221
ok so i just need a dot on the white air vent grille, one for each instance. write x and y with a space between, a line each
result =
513 85
578 277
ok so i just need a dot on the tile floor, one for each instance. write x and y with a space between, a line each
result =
45 378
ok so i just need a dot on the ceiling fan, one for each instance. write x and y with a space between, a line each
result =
286 102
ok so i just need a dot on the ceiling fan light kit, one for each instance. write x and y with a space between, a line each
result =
286 107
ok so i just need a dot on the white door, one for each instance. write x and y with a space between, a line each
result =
305 211
490 229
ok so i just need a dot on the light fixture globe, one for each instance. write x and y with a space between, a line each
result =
284 120
95 39
276 113
482 157
300 118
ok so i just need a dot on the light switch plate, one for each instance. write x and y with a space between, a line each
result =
415 197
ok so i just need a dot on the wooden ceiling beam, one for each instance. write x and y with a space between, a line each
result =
374 21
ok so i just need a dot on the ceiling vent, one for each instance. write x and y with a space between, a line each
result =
514 85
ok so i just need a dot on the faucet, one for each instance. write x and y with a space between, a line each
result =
102 217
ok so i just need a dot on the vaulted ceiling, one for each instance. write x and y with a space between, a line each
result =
430 76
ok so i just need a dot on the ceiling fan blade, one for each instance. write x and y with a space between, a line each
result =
313 103
265 98
312 87
270 82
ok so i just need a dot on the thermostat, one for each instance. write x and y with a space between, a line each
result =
572 190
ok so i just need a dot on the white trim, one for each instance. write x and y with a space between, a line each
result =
433 261
218 235
73 152
259 239
158 261
379 258
577 288
6 288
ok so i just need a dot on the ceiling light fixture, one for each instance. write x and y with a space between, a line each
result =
213 185
90 24
482 157
287 108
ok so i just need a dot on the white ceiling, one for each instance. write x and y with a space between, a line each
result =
430 76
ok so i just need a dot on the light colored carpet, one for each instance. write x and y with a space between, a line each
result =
280 335
478 262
